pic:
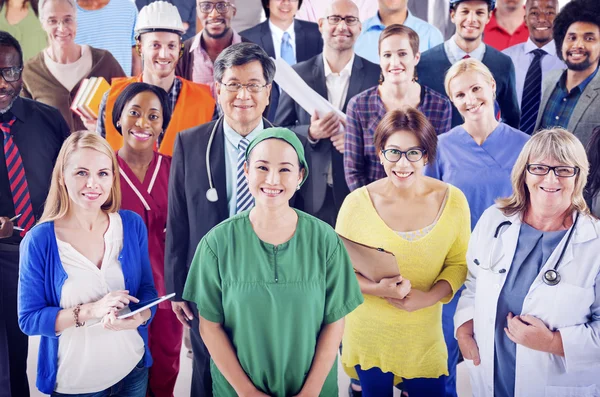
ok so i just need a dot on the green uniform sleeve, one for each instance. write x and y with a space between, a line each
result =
342 291
203 284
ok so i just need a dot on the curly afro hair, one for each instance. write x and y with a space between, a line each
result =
574 11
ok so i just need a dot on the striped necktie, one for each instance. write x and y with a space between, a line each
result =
532 93
17 180
244 199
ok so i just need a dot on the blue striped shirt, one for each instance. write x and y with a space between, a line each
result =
109 28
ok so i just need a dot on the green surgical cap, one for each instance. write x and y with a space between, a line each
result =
285 135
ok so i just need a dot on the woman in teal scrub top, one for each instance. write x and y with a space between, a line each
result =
273 285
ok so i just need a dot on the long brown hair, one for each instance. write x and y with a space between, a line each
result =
34 5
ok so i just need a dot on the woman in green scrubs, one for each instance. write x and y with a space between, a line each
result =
273 285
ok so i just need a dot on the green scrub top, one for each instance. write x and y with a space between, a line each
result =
273 300
28 32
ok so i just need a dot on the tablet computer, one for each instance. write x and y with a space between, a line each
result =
135 308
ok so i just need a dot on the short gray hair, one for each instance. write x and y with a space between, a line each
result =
42 3
241 54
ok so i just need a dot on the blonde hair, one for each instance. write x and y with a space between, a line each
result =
464 66
58 201
557 144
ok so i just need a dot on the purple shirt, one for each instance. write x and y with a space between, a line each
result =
364 112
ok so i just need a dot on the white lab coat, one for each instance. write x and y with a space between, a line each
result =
571 307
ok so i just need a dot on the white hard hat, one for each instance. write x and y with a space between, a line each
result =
159 16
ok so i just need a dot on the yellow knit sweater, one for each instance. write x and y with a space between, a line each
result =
377 334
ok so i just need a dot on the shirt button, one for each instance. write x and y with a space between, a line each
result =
564 99
557 117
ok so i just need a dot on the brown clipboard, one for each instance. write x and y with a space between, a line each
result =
372 263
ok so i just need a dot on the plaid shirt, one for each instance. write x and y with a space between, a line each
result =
364 113
561 103
173 96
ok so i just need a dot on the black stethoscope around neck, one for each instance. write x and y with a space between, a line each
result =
551 277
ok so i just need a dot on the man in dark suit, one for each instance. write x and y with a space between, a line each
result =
337 75
283 36
201 197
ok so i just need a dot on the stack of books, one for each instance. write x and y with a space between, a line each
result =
88 97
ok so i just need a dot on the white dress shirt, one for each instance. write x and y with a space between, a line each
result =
277 35
455 53
521 55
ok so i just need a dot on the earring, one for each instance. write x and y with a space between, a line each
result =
118 124
298 188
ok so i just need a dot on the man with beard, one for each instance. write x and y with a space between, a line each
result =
470 18
534 59
337 75
33 134
200 51
158 34
507 26
570 97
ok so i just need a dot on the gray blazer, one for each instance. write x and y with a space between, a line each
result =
586 115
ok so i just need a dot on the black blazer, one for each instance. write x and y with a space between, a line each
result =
308 44
289 114
191 214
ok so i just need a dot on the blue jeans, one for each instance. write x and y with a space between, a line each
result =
133 385
448 311
376 383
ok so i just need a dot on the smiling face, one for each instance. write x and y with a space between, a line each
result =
403 173
9 91
59 22
473 95
160 52
88 176
470 18
340 37
282 11
243 108
549 193
273 173
397 59
216 25
581 46
540 20
142 121
509 5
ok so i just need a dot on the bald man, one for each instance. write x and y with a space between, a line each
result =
337 75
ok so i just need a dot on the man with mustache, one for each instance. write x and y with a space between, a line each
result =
570 97
200 51
534 59
506 27
33 134
337 75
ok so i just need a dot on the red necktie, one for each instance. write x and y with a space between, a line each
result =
17 180
466 56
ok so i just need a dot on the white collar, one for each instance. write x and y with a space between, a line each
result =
278 33
550 47
346 71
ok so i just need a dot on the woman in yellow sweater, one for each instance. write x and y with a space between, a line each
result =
425 223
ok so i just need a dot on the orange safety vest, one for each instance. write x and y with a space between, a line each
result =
194 106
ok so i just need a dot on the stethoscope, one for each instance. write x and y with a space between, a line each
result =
551 276
211 193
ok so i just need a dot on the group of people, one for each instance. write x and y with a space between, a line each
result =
473 161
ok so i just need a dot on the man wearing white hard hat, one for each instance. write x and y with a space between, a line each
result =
158 34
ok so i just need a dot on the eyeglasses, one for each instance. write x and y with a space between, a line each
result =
68 21
561 171
222 7
11 74
236 87
336 19
395 155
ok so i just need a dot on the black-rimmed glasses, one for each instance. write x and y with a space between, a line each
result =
561 171
251 87
11 74
395 155
336 19
222 7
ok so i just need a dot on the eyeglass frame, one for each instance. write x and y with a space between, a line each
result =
357 20
553 169
246 86
62 21
405 154
214 5
20 71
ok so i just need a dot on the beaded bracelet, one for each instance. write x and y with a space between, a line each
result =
76 316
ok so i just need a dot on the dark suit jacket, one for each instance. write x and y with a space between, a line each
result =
308 44
364 75
191 214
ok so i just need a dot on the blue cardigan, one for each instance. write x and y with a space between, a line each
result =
434 63
41 278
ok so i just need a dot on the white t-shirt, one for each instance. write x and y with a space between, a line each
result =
70 74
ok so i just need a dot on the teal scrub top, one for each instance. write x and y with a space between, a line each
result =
273 300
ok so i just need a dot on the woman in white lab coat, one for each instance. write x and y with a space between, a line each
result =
528 323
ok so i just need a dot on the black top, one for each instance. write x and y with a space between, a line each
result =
39 131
